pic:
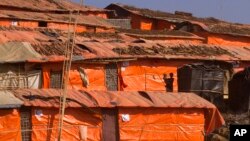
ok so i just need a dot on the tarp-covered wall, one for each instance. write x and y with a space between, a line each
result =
139 22
79 125
10 129
228 40
95 76
161 124
147 75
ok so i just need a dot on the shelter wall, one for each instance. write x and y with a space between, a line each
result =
162 124
139 22
10 125
30 24
97 14
147 75
144 23
220 39
95 74
53 25
78 125
63 26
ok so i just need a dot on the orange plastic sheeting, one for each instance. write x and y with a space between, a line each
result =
229 40
28 24
97 14
74 120
96 76
4 22
102 29
10 129
146 25
214 120
64 26
139 22
147 76
162 124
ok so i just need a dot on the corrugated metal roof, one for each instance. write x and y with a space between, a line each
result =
168 50
8 100
209 24
50 44
47 5
50 98
105 99
50 17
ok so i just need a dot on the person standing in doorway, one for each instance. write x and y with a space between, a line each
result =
169 82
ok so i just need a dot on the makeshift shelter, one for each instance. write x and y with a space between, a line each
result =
54 21
161 58
214 31
9 117
113 62
206 80
15 76
45 6
113 116
82 76
142 19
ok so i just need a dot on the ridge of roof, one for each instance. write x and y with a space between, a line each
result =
157 33
52 17
47 5
77 98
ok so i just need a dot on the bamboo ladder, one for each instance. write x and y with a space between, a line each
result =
66 68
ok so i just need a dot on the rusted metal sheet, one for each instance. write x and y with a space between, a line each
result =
168 50
108 99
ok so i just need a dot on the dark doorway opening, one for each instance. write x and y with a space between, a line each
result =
110 125
239 92
42 24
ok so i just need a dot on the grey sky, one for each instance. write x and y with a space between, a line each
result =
229 10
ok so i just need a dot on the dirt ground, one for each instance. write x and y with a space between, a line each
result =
222 134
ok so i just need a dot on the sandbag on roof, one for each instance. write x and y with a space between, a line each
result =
17 52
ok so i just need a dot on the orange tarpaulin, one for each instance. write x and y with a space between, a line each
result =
146 77
95 73
79 125
162 124
146 24
227 40
10 129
